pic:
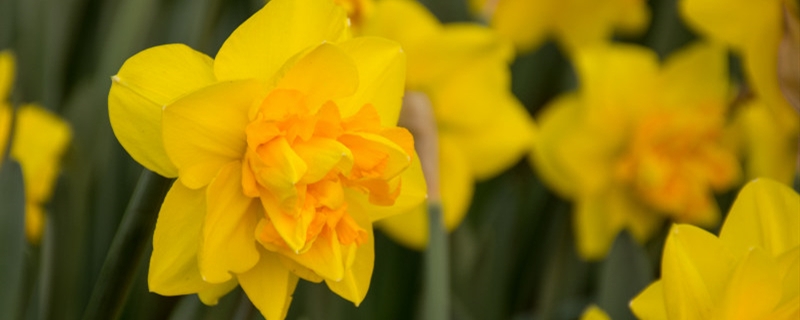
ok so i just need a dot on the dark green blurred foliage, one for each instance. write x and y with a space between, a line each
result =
512 258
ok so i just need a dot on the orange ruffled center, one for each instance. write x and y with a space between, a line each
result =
674 161
300 159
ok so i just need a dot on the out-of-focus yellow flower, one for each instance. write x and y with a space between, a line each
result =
38 142
573 23
461 69
752 271
755 31
594 313
638 143
285 149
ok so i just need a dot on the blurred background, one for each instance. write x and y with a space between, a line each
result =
513 257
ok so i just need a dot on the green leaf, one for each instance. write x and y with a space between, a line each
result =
625 272
12 238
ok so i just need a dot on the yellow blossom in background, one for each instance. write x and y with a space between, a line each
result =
38 142
285 151
638 143
573 23
594 313
752 271
755 30
459 70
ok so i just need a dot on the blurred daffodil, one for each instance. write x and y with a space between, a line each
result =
593 312
38 142
763 33
460 73
285 151
574 23
638 142
752 271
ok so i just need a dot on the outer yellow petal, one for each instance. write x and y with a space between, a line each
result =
381 72
323 74
270 286
697 75
212 292
413 192
5 128
206 129
765 214
736 22
594 313
556 121
649 304
770 151
524 22
694 269
404 21
355 283
34 222
173 265
755 288
229 229
146 83
789 271
260 46
7 69
40 139
456 184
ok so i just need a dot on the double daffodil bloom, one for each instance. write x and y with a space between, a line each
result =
638 142
285 151
460 71
39 140
752 271
574 23
755 31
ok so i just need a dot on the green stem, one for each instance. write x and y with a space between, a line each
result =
437 277
127 249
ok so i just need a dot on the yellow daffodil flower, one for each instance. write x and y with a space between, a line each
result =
574 23
752 271
593 312
460 71
285 151
39 140
638 142
755 31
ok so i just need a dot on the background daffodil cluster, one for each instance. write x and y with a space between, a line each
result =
197 159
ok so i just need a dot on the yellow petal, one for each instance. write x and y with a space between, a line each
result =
456 187
212 292
789 271
413 192
404 21
556 122
594 313
523 22
355 283
34 222
381 72
7 71
325 73
176 241
649 304
325 258
229 243
205 130
756 276
322 155
5 128
370 149
770 151
695 268
260 46
270 286
40 139
765 214
456 47
736 22
146 83
697 75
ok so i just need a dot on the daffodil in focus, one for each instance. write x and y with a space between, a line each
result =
756 30
460 72
285 151
38 142
638 142
573 23
752 271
